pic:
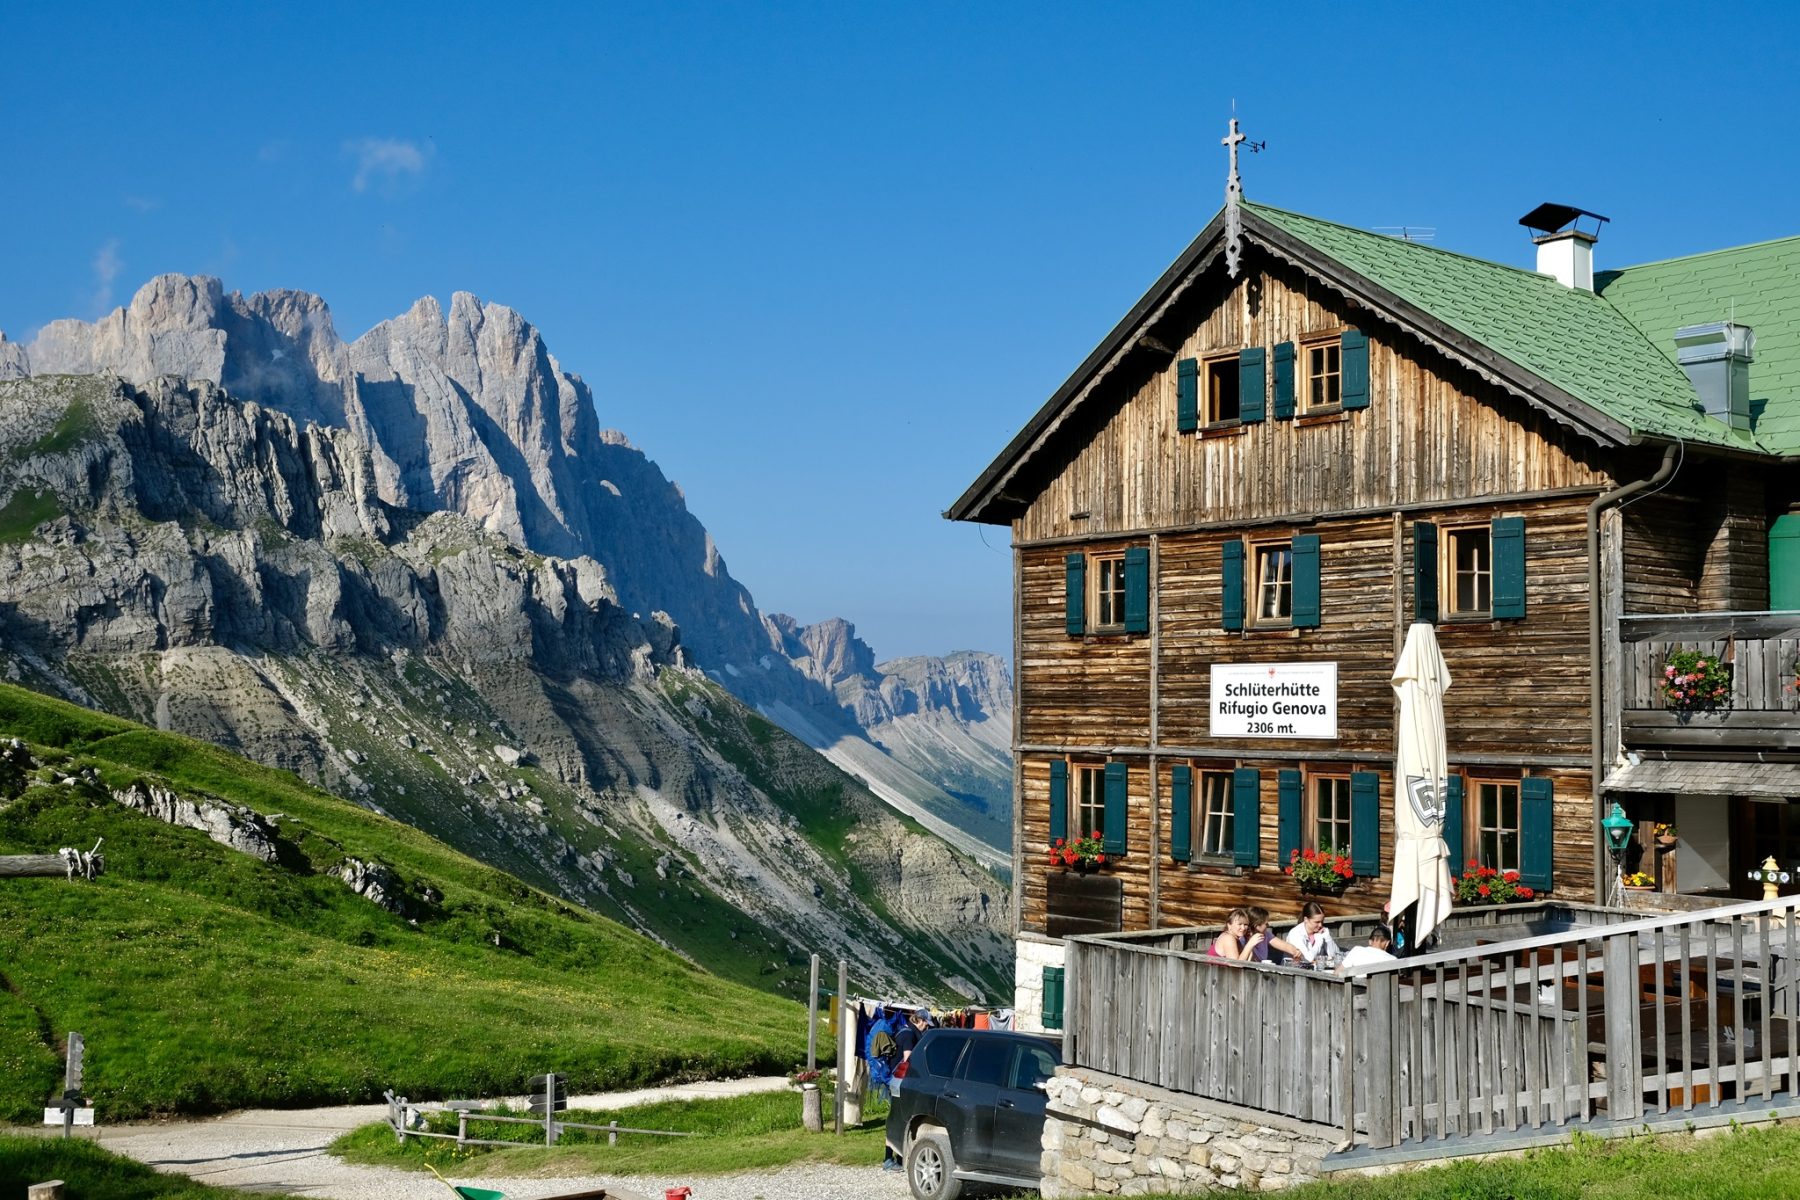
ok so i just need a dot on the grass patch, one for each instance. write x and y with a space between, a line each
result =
92 1173
1741 1165
736 1133
203 979
25 511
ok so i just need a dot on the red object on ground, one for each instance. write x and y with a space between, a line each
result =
680 1193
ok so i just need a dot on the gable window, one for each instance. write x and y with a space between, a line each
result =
1221 390
1273 567
1468 572
1329 817
1323 363
1496 823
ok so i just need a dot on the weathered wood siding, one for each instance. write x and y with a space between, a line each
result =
1436 443
1432 432
1699 545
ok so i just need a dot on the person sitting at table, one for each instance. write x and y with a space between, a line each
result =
1233 941
1311 936
1375 952
1264 945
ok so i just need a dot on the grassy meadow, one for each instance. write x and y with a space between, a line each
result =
203 979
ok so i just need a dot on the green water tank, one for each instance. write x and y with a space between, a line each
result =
1784 562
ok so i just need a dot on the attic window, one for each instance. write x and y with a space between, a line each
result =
1221 390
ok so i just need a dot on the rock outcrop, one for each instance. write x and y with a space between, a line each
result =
242 829
466 411
224 569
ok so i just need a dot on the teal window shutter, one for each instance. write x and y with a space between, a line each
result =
1365 823
1053 997
1287 812
1537 834
1353 362
1231 576
1112 834
1137 590
1181 813
1507 536
1187 395
1425 572
1306 581
1075 594
1252 384
1453 823
1284 381
1059 800
1246 817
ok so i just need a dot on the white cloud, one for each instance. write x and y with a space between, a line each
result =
385 162
107 265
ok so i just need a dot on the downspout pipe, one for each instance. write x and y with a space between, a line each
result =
1596 680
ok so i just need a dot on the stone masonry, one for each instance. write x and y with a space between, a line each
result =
1106 1136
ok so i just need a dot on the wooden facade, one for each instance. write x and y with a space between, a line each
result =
1435 444
1422 434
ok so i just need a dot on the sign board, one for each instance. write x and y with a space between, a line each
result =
548 1091
54 1116
1274 700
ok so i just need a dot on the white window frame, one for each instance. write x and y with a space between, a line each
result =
1214 811
1277 588
1106 599
1087 798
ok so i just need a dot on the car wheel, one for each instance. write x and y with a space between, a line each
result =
930 1167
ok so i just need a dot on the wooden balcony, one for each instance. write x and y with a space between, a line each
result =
1552 1017
1760 649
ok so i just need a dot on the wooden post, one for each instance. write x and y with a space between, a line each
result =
462 1126
846 1035
549 1108
812 1018
1624 1096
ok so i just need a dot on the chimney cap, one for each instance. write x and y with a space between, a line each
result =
1550 218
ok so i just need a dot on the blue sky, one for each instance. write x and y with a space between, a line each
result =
821 261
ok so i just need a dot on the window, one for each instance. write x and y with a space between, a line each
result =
1090 800
989 1060
941 1055
1324 375
1468 572
1330 824
1274 574
1108 601
1033 1066
1214 805
1496 823
1221 390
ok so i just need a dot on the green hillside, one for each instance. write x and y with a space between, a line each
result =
203 979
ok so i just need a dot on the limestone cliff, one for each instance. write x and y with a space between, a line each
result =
232 571
467 412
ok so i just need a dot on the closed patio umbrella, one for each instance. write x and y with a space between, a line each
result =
1421 859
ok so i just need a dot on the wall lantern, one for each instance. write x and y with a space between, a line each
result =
1618 829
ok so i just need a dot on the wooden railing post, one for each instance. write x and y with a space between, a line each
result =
1624 1052
1382 1059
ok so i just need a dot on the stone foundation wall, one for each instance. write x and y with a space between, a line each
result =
1030 956
1106 1136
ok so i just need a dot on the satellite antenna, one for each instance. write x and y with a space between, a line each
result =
1409 233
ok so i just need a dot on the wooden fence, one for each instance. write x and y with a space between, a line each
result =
1628 1021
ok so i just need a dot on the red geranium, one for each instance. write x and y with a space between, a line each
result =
1487 885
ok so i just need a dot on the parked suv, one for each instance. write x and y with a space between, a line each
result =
969 1108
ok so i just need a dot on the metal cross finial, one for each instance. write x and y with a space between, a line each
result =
1234 191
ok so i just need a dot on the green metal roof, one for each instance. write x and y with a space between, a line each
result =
1758 286
1614 355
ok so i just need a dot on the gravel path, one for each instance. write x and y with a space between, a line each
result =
283 1152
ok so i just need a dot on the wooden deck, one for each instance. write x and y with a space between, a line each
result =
1611 1017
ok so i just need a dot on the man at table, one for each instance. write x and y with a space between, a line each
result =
1375 952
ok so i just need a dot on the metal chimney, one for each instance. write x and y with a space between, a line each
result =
1717 359
1565 249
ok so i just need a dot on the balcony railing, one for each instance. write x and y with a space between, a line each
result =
1760 649
1561 1016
